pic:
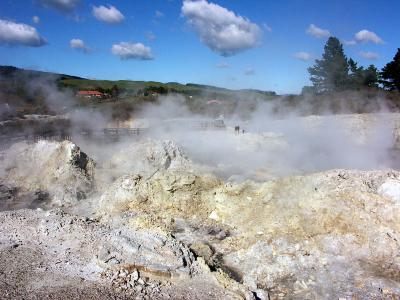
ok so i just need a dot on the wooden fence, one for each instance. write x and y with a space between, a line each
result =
104 134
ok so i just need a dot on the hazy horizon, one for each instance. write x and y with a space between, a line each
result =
235 45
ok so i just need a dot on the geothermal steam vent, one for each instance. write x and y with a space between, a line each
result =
147 220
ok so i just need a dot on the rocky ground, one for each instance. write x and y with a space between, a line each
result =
147 222
61 256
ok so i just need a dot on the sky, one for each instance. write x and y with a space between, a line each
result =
259 44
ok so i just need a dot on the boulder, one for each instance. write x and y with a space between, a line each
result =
58 168
147 157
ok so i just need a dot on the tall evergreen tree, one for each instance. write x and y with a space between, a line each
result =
371 77
356 75
391 73
330 73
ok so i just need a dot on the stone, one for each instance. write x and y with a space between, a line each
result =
390 188
135 275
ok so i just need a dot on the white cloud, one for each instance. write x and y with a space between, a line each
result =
365 36
36 19
78 44
19 34
318 32
108 14
350 42
128 50
62 5
369 55
223 65
304 56
220 29
158 14
249 72
267 27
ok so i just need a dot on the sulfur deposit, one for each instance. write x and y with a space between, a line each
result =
150 221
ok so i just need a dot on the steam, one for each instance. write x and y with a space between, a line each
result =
271 147
48 109
277 138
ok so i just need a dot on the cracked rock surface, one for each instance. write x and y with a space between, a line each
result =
61 256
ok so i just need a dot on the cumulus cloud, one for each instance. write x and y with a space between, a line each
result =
365 36
61 5
223 65
128 50
36 19
318 32
220 29
78 44
19 34
108 14
249 72
369 55
304 56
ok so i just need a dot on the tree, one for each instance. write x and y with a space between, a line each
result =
308 90
356 75
360 77
371 77
114 91
391 73
330 73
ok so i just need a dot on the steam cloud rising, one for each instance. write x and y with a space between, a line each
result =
276 141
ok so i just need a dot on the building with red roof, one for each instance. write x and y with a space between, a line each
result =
90 94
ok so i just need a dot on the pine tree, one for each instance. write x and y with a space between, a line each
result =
356 75
331 73
371 77
391 73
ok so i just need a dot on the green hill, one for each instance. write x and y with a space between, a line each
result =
37 92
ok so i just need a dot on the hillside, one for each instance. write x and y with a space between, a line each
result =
78 83
35 92
25 92
8 72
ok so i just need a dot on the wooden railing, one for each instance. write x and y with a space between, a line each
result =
106 133
123 131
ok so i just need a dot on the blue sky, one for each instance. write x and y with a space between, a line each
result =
259 44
